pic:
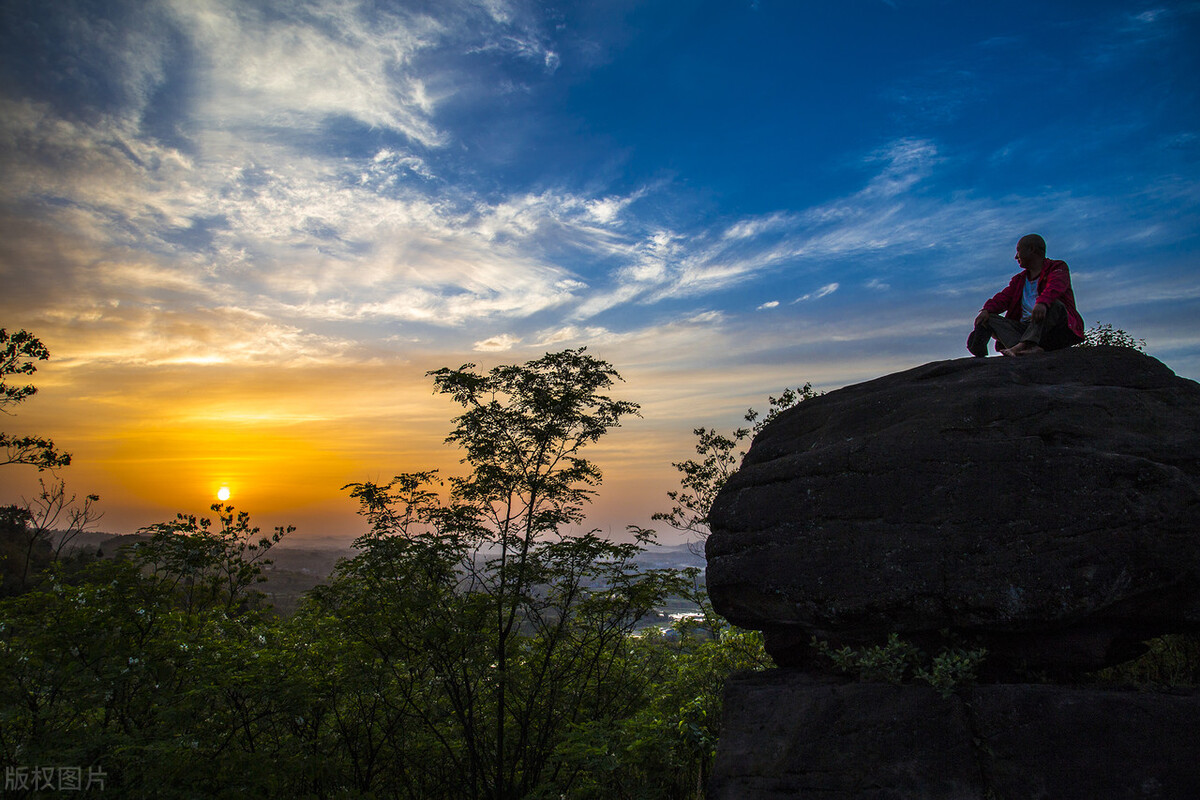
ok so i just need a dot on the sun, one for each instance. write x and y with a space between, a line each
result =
223 493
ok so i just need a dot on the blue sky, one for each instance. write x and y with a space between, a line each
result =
241 222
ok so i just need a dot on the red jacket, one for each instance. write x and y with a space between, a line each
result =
1054 283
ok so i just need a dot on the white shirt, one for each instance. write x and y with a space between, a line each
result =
1028 299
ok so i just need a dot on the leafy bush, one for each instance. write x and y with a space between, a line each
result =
1104 334
899 661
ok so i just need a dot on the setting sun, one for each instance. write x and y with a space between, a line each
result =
223 493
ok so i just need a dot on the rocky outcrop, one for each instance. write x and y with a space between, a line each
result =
790 735
1045 507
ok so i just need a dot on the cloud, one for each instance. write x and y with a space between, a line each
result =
906 162
156 337
769 304
300 65
247 214
824 291
758 226
297 233
497 344
571 335
884 215
519 35
243 212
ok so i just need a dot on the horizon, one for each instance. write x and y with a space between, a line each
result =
246 231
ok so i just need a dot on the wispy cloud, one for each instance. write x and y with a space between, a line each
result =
824 291
573 336
296 66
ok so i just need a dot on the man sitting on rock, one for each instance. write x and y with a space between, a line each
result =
1038 307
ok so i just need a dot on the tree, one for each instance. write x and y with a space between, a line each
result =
701 480
493 629
209 567
667 747
28 532
17 354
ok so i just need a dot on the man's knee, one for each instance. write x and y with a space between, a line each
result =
1057 333
978 340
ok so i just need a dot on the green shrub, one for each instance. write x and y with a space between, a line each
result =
1104 334
899 661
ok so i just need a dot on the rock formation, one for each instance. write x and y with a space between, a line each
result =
1044 508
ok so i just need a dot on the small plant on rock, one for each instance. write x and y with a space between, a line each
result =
1105 335
951 668
899 662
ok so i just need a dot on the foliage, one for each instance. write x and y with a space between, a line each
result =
670 743
155 667
1172 660
492 632
35 534
898 661
1105 335
17 354
208 568
893 662
472 648
18 351
701 480
666 748
951 668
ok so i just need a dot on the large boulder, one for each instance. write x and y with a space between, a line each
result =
1044 506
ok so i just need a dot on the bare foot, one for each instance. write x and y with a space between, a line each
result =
1029 351
1023 349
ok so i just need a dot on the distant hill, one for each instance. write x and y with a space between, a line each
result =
110 543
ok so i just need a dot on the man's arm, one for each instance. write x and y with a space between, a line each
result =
1001 301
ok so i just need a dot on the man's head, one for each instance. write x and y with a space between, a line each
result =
1031 252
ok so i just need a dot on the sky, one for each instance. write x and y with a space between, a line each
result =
246 229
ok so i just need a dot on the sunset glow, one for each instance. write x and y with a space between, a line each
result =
247 231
